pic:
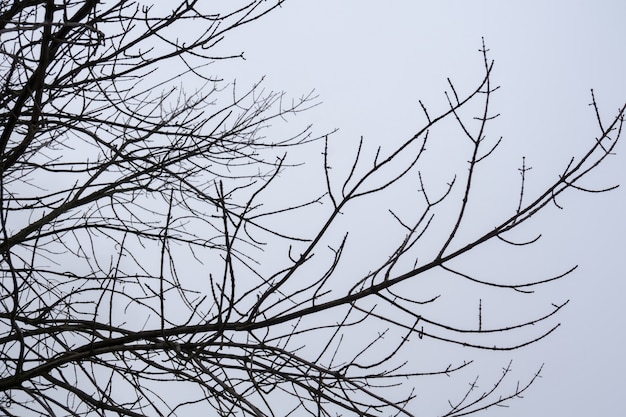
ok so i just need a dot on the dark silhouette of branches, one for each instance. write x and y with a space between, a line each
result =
148 268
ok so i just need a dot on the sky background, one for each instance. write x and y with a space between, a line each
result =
370 62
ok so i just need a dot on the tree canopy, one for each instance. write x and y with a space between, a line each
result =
163 249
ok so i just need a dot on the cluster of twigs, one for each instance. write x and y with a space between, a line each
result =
141 273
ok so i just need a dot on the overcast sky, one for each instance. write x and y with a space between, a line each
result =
371 61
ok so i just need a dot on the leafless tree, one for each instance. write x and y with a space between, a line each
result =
157 257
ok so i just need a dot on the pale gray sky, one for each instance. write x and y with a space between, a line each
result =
371 61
